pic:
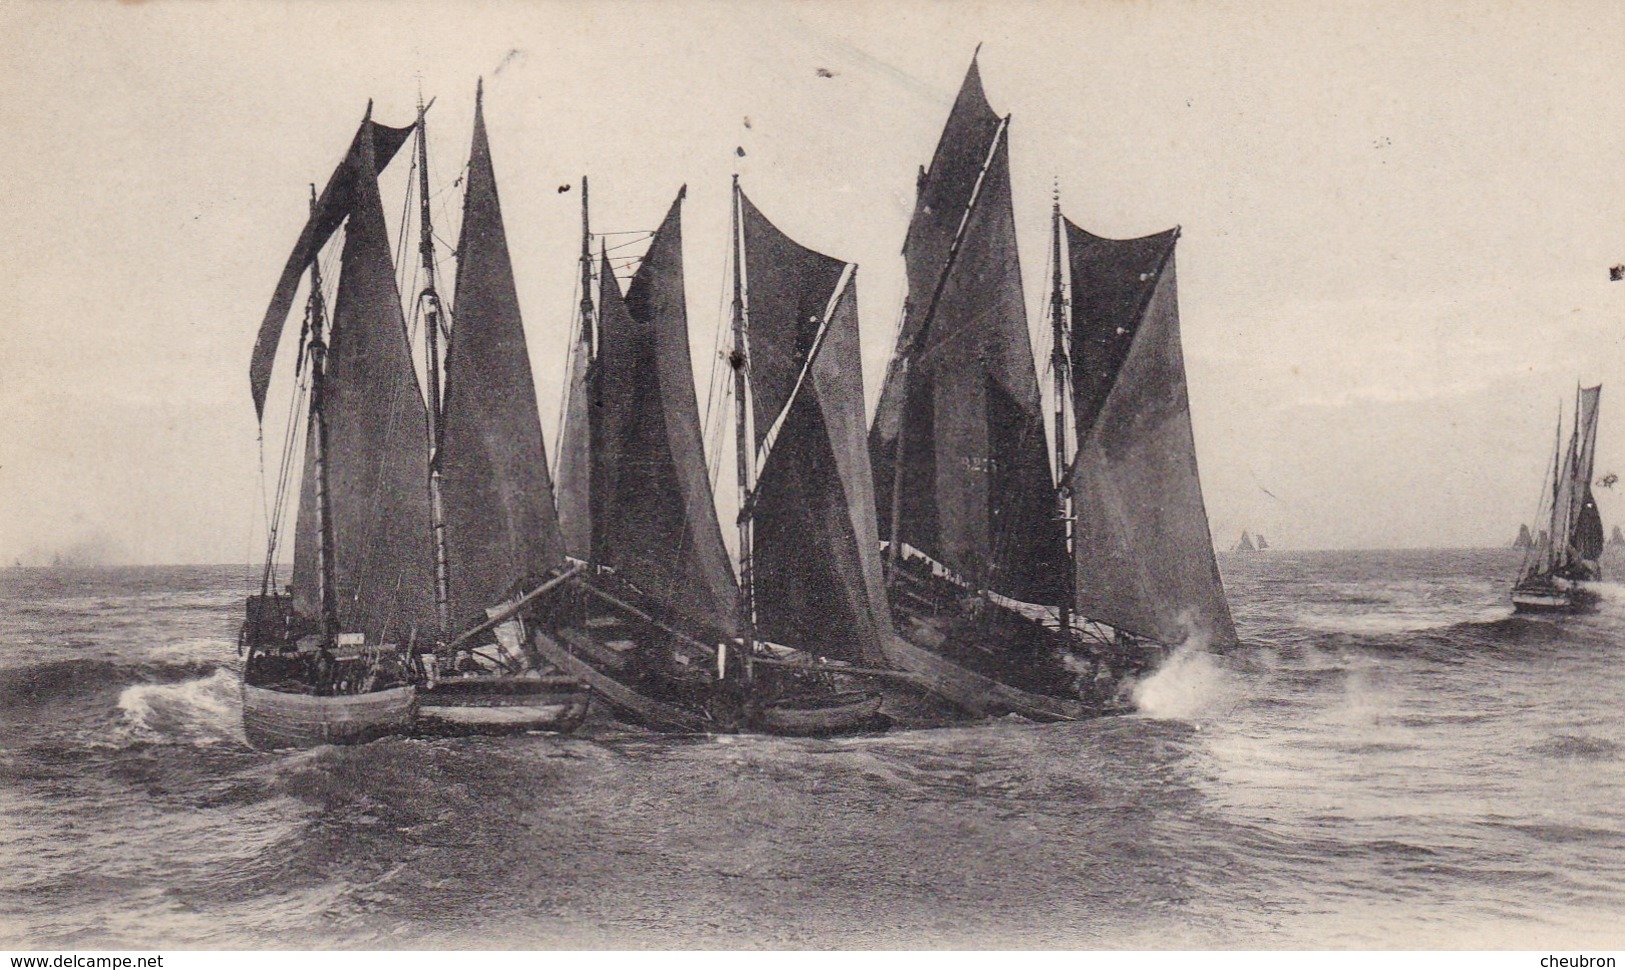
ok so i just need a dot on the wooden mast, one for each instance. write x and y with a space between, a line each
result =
1060 364
587 346
739 360
429 300
318 445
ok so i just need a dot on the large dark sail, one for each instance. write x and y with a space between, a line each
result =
500 524
961 401
653 516
1142 550
377 449
815 558
338 198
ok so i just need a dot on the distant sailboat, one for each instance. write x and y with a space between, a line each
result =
1618 538
1558 568
1262 542
1244 544
1527 541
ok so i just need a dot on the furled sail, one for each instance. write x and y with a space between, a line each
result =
960 409
1143 553
337 200
815 557
377 459
653 516
501 528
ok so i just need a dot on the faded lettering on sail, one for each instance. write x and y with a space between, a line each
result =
1143 553
377 448
501 528
815 556
907 400
335 203
654 518
967 407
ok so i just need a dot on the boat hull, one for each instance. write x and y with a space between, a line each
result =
625 701
1554 599
503 705
275 719
820 716
972 692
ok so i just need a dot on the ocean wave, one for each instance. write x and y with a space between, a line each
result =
57 681
204 710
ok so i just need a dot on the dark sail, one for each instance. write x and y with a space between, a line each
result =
1588 530
1524 540
653 516
336 202
1143 552
962 393
500 525
377 447
815 556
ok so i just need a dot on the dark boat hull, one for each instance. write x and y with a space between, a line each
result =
820 716
275 719
974 693
503 705
628 703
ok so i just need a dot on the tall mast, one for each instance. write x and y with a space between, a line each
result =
318 446
1059 364
586 275
429 300
739 359
587 346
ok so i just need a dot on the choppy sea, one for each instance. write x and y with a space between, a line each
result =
1390 760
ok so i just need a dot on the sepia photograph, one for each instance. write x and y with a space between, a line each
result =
1113 475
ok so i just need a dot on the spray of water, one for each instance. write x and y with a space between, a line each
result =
1190 685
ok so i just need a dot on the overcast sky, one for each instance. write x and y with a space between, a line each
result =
1398 218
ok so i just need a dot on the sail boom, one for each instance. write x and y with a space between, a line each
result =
806 368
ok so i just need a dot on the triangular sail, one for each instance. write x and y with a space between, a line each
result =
1244 544
962 393
575 448
337 200
377 443
815 556
501 528
1524 540
653 516
1617 538
1143 553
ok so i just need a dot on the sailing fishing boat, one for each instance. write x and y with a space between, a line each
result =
1244 544
329 660
1555 572
973 520
339 658
1618 538
657 599
1527 541
661 640
1263 543
498 546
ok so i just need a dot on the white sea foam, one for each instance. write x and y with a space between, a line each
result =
1191 685
206 710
